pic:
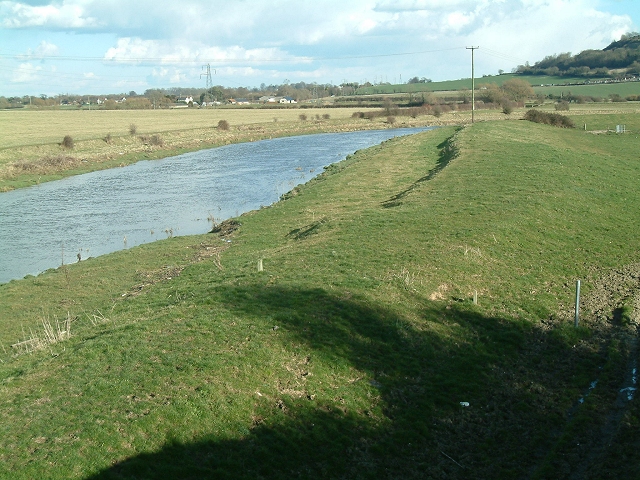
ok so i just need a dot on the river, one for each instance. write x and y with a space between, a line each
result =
101 212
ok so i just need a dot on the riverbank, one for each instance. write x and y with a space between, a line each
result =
357 349
32 150
106 211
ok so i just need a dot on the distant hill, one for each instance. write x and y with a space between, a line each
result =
618 60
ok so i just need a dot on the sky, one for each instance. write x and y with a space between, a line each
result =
94 47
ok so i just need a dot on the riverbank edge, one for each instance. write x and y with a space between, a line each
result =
99 154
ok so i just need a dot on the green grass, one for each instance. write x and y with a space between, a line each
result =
542 84
349 355
602 91
463 84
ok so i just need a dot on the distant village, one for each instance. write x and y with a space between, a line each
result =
276 95
189 101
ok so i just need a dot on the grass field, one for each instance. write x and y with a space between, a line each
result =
26 127
544 84
464 84
602 91
356 350
31 150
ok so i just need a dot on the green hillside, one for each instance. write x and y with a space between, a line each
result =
357 352
464 84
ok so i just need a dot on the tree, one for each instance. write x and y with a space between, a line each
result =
490 93
517 89
634 68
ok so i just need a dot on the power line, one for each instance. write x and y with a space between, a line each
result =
503 56
165 61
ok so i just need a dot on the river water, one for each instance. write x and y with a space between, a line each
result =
101 212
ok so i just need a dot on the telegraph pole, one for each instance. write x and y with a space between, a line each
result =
473 84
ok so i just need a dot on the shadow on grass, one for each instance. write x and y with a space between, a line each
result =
448 152
418 374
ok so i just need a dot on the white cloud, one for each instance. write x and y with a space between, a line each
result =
177 77
269 40
26 72
137 50
540 28
46 49
457 20
41 52
66 15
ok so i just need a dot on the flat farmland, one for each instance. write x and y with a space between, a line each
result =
31 150
40 127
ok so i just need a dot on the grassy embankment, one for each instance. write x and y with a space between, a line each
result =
349 355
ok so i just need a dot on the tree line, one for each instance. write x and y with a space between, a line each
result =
618 60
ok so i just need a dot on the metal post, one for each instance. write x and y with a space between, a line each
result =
577 319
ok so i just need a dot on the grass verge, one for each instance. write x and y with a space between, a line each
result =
357 352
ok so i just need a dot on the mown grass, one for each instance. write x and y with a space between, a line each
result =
349 355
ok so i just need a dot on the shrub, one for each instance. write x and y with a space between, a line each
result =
357 115
223 125
554 119
156 140
67 142
108 138
133 129
562 106
437 111
303 117
507 108
391 120
326 116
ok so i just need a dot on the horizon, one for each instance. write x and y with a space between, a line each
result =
89 48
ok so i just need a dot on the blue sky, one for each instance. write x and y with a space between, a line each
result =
112 46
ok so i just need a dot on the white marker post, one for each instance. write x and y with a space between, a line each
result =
577 318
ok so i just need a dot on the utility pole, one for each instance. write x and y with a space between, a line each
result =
473 84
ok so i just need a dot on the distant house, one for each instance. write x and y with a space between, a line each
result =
242 101
287 100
